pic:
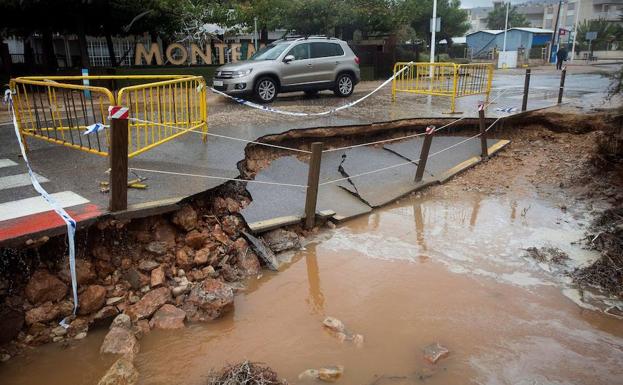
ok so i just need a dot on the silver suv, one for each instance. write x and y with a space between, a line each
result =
308 64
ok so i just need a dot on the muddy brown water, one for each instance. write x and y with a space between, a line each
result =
419 271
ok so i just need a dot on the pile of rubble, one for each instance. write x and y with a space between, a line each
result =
156 272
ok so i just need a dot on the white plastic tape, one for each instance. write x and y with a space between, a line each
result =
69 221
296 113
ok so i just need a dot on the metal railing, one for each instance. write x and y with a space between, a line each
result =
59 109
443 79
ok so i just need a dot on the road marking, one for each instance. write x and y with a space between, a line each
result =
19 180
7 163
29 206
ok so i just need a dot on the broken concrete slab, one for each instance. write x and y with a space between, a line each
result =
263 251
271 202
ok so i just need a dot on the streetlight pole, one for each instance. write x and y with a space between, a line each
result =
255 31
575 28
433 38
551 46
506 24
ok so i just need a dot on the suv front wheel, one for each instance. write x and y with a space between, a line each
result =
265 90
344 85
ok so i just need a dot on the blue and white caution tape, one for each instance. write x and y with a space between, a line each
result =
508 110
295 113
69 221
97 127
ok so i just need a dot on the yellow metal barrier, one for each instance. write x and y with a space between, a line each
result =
54 109
443 79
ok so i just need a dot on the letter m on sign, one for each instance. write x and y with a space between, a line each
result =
141 52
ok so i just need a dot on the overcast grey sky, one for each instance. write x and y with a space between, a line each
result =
482 3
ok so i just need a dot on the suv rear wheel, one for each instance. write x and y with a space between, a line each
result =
265 90
344 85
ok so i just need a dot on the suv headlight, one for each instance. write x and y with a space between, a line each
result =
239 74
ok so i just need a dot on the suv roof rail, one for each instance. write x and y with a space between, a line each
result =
299 37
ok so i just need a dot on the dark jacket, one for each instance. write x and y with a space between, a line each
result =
562 54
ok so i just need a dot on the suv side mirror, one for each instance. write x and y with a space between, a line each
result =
288 59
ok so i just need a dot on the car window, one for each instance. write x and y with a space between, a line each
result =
300 52
270 52
326 50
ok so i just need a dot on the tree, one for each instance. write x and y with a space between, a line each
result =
366 16
496 19
417 13
607 33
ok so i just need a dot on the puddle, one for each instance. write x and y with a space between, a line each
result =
411 274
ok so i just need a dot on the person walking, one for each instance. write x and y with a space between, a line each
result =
561 57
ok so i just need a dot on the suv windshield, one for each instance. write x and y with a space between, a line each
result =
270 52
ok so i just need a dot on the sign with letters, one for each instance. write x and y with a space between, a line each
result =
178 54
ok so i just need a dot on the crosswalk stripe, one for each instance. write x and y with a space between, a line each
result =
19 180
7 163
29 206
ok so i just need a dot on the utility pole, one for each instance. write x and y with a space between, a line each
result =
551 46
433 37
575 27
255 32
506 24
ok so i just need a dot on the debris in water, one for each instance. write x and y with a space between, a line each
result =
263 251
338 329
435 352
247 373
547 254
328 374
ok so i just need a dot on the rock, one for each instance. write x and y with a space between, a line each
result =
328 374
77 326
44 313
232 205
43 287
220 235
195 239
208 300
84 271
202 257
157 277
91 299
247 259
186 218
102 253
4 357
334 324
435 352
147 265
231 225
150 302
135 278
182 259
114 300
163 231
80 336
122 372
120 341
105 313
121 321
156 247
331 225
11 322
142 328
263 251
59 331
219 206
168 317
280 240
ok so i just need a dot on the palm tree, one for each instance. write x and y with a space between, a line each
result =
607 32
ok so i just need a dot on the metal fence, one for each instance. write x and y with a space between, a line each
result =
59 109
443 79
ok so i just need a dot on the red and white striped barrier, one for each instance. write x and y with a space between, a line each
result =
118 112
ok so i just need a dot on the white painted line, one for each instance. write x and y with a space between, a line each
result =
19 180
29 206
7 163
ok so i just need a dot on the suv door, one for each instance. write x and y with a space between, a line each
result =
299 70
326 57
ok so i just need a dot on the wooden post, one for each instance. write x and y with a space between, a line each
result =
118 155
563 75
313 178
483 131
526 89
421 166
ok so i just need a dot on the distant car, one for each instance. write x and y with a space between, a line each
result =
309 64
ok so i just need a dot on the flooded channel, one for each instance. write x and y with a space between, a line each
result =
420 271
